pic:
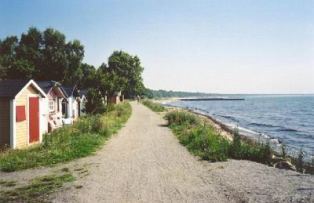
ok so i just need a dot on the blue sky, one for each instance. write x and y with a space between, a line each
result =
212 46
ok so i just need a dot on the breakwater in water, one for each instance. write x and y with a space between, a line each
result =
211 99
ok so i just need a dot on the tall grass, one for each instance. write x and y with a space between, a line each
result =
300 161
203 140
153 106
258 152
69 142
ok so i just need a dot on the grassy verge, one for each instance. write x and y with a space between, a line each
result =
202 140
69 142
154 106
37 190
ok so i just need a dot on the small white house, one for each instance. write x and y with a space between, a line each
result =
71 107
82 102
116 98
52 105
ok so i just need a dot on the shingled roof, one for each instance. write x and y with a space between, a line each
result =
83 93
46 85
10 88
70 91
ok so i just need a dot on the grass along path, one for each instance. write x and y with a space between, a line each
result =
69 142
38 184
153 105
203 140
37 189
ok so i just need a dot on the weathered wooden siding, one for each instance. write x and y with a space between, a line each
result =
22 127
4 122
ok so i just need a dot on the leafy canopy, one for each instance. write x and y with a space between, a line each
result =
125 71
47 55
41 56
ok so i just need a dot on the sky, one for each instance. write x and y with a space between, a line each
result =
215 46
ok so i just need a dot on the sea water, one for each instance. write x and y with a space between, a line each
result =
284 119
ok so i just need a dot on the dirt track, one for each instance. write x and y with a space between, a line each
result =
145 163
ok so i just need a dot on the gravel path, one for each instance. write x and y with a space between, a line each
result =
145 163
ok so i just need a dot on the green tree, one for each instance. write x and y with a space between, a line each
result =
126 72
95 103
29 54
42 56
7 55
21 69
89 76
148 93
75 53
62 60
109 83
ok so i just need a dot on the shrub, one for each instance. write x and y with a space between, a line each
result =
209 145
300 161
202 140
235 147
95 103
91 124
153 106
110 107
283 151
181 117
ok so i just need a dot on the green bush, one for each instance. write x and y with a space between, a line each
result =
258 152
182 117
153 106
202 140
208 145
69 142
91 124
95 103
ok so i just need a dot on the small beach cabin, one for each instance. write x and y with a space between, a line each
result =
71 107
19 113
82 102
115 98
51 106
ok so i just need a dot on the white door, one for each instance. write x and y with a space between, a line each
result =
44 112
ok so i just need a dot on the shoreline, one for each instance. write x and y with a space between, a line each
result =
245 133
219 124
227 132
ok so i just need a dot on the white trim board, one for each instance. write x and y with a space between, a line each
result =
12 124
36 86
